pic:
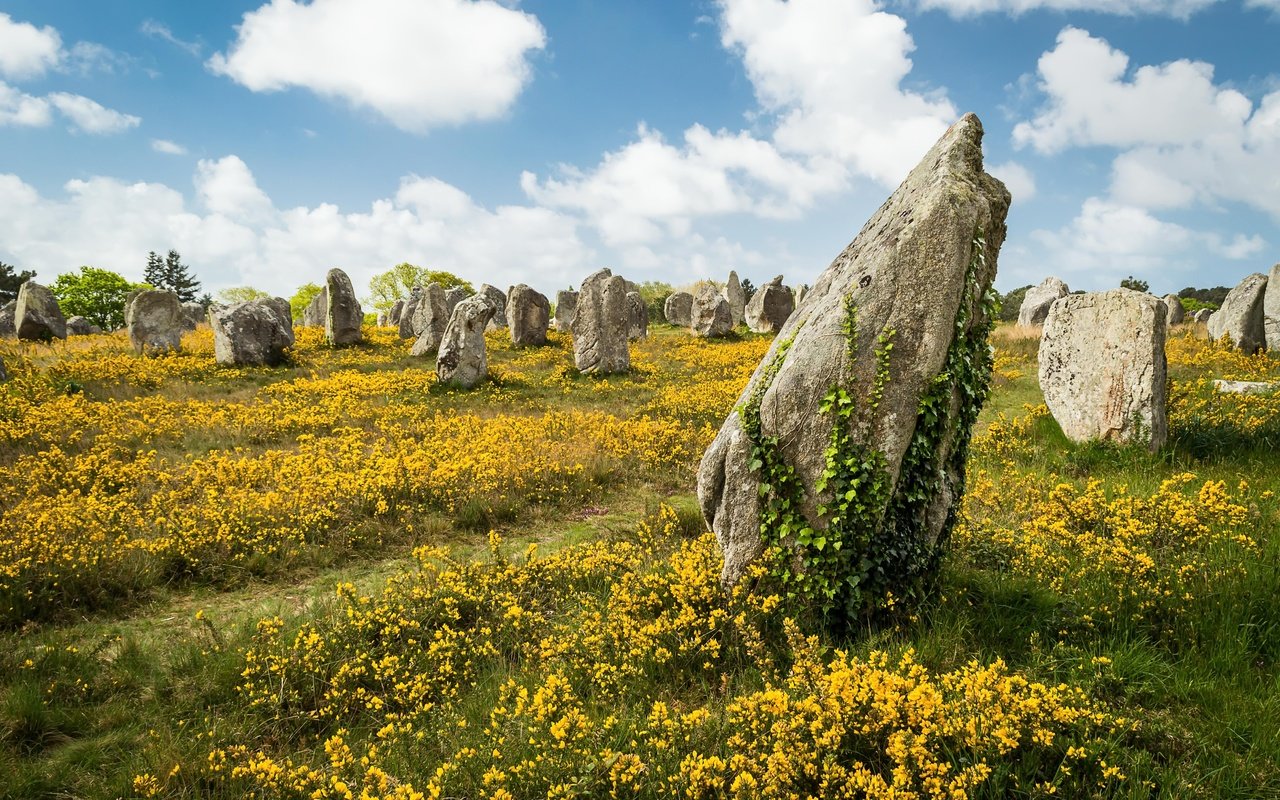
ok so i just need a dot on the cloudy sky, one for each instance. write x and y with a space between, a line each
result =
536 141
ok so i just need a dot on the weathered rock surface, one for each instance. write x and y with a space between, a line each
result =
393 316
678 309
463 360
600 325
4 374
36 316
79 326
528 316
1038 299
317 311
1271 309
770 307
155 322
7 313
1245 387
431 317
737 298
566 307
452 296
1241 315
1202 316
193 314
801 291
637 317
917 276
1176 313
344 317
407 313
709 316
255 333
498 299
1102 367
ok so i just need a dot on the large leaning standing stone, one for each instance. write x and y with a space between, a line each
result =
431 317
1102 367
1241 315
36 316
678 309
343 318
566 307
709 316
770 307
255 333
1038 299
528 315
1271 309
7 313
155 321
637 317
1177 314
737 298
499 302
600 325
463 360
916 275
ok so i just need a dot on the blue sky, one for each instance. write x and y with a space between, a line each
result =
537 141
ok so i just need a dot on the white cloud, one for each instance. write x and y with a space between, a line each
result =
25 50
233 235
1021 183
828 76
1273 5
167 147
18 108
91 117
1180 9
159 30
419 63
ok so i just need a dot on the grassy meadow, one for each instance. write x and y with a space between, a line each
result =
338 579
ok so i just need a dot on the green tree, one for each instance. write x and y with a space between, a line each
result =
98 295
154 272
11 280
1011 304
655 294
241 294
1136 284
396 283
303 297
748 289
178 280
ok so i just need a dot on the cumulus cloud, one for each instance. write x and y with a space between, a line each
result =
1184 138
158 30
828 77
419 63
91 117
25 50
167 147
1180 9
18 108
1019 180
233 235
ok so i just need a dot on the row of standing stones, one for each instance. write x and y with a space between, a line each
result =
1102 365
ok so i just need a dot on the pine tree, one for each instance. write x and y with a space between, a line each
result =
11 280
178 280
154 274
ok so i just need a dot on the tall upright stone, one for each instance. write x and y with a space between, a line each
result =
431 317
498 299
770 307
566 307
600 325
1176 314
317 311
255 333
528 316
463 360
1271 310
407 313
452 296
393 315
1241 315
737 298
7 313
637 317
801 291
678 309
344 318
1038 299
1102 367
915 278
709 316
36 316
155 321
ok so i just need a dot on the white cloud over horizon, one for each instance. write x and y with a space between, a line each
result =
1179 9
419 63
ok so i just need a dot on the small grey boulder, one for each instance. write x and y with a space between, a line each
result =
710 316
678 309
36 316
528 315
155 322
1038 299
256 333
1241 316
770 307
